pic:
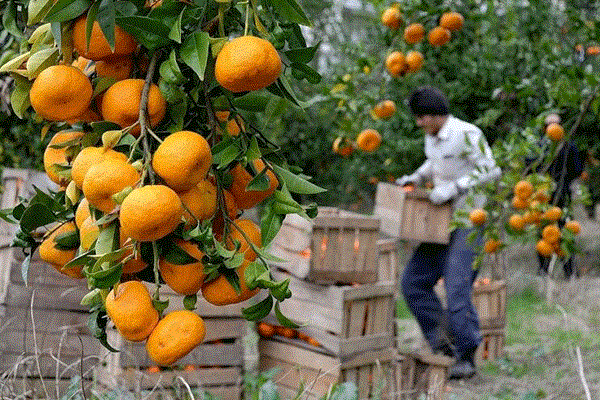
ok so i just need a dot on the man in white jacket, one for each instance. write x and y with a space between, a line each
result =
458 158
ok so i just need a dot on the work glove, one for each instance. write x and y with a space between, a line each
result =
408 179
444 192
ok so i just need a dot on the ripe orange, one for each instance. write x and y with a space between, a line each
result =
265 330
121 104
555 132
523 190
58 155
544 248
135 264
384 109
519 203
438 36
552 214
98 47
414 61
60 92
245 199
116 67
551 233
150 213
233 126
184 279
285 332
247 63
391 17
88 233
88 115
200 201
491 245
452 21
573 226
178 333
542 196
368 140
220 292
88 157
342 146
58 257
516 222
478 216
414 33
182 160
592 50
130 309
395 63
251 230
82 212
86 65
107 178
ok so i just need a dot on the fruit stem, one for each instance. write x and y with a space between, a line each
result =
247 18
155 269
143 119
221 16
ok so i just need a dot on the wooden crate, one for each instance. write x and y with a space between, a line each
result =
420 373
492 345
346 319
336 246
315 371
410 215
388 257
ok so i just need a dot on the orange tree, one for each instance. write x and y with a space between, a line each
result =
151 109
503 68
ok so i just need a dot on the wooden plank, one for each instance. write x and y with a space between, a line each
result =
27 365
44 320
49 297
225 354
45 388
66 343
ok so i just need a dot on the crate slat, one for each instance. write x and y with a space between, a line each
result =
388 258
68 343
492 345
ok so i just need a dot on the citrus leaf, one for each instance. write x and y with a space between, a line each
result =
270 223
67 240
107 240
174 254
253 152
295 183
310 74
189 302
15 63
41 60
258 310
234 262
25 267
105 14
106 278
290 10
283 320
252 273
36 215
9 19
260 182
281 290
226 156
302 55
36 10
175 33
66 10
194 52
97 325
19 99
150 33
251 101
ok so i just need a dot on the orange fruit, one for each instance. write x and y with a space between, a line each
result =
414 33
313 342
541 196
88 115
86 65
555 132
185 279
150 213
135 264
182 160
200 202
245 199
247 63
58 155
519 203
115 67
285 332
105 179
523 190
82 212
88 157
414 61
59 257
342 146
573 226
516 222
251 230
88 233
130 308
491 245
220 292
395 63
552 214
98 47
391 17
438 36
453 21
544 248
178 333
60 92
121 104
384 109
265 330
551 233
368 140
233 126
478 216
592 50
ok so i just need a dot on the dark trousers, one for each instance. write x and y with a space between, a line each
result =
453 261
545 263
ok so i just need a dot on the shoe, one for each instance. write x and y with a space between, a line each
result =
443 349
462 369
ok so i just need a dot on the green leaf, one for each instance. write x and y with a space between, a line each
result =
80 261
107 241
194 52
270 223
66 10
253 152
105 15
302 55
283 320
36 10
290 10
175 33
310 74
281 291
9 19
41 60
160 305
67 240
106 278
252 101
226 156
149 32
19 98
259 182
97 325
14 63
222 251
36 215
295 183
258 311
235 261
189 302
174 254
25 268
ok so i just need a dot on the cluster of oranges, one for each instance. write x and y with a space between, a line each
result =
397 63
148 193
267 330
368 140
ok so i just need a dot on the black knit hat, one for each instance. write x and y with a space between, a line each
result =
427 100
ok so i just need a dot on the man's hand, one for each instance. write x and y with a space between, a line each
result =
407 180
444 192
